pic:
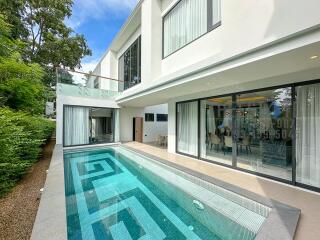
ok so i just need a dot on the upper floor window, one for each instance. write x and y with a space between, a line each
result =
187 21
130 66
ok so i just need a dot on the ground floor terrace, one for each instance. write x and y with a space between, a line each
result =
305 200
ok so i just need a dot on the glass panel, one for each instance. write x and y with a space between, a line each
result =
216 12
187 128
308 135
121 73
85 125
102 129
216 129
264 132
184 23
130 66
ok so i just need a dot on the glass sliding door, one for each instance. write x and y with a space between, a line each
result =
86 125
308 135
76 126
102 125
187 128
264 132
216 130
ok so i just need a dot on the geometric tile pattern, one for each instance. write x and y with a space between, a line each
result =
108 200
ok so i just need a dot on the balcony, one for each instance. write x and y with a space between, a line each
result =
78 84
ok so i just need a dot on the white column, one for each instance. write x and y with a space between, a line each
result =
151 40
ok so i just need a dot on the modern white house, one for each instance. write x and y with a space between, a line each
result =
234 83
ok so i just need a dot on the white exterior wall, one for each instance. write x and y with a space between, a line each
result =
152 129
126 122
172 127
151 40
246 25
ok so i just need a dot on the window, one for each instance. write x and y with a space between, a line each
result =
130 66
263 132
187 21
162 117
149 117
216 129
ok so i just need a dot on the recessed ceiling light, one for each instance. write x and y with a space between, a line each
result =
314 57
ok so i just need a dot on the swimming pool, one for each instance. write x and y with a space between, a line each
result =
115 193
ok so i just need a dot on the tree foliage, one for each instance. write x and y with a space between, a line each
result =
49 42
21 136
21 85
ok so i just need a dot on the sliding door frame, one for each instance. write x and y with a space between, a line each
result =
90 109
234 166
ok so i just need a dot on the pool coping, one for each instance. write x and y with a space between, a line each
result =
282 220
51 222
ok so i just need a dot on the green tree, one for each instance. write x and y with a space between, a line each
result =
21 85
50 42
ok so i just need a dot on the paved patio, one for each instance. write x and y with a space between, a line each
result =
307 201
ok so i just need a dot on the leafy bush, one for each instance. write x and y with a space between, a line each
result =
21 137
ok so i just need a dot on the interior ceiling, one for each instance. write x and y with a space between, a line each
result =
288 67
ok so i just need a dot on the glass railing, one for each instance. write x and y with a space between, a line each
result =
77 84
82 91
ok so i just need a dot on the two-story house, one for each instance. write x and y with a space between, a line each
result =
239 81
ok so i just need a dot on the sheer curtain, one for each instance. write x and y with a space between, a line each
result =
308 135
76 126
186 22
188 128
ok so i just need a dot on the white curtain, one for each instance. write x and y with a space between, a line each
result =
76 126
308 135
188 128
117 125
186 22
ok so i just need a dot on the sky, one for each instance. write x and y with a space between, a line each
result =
99 21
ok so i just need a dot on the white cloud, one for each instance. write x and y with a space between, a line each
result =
98 9
90 65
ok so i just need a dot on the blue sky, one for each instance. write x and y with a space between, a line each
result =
99 21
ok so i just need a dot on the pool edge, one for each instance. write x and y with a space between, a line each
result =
50 222
282 220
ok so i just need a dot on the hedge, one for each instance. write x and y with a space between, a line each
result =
21 138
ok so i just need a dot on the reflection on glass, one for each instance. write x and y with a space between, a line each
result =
102 121
308 135
264 132
216 129
130 66
187 128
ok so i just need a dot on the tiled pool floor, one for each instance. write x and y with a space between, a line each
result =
308 202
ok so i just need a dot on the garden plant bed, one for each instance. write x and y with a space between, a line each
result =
19 207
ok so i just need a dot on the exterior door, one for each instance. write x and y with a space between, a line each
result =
138 134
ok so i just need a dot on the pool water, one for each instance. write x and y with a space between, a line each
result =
114 193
